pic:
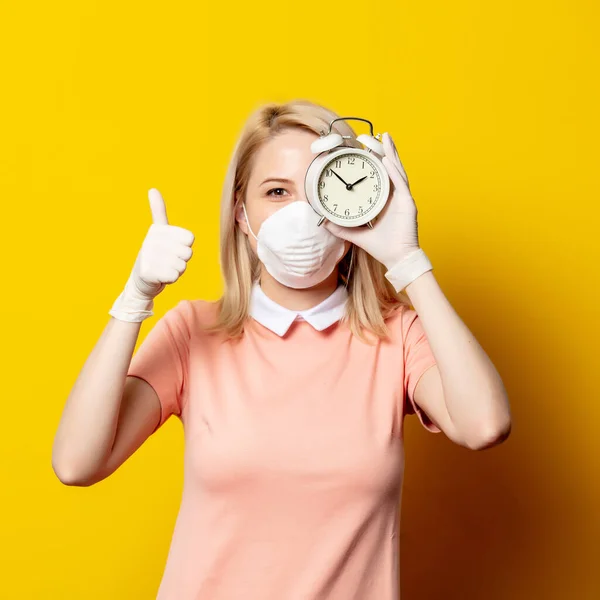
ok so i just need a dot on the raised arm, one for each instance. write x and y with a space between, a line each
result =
108 415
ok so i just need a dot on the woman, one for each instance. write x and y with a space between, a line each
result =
292 388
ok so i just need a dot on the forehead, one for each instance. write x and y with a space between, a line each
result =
288 155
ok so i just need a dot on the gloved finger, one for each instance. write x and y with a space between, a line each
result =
392 166
172 232
183 236
158 208
183 251
349 234
401 192
392 153
394 174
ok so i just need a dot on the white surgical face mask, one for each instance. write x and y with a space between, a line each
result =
293 249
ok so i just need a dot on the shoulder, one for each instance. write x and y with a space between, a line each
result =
196 312
399 321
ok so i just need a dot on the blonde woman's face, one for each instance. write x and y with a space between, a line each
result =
277 178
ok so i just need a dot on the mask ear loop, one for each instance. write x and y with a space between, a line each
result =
248 221
256 278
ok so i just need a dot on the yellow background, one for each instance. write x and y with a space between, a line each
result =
494 109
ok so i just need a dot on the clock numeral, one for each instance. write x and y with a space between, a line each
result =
372 174
338 163
360 210
363 164
328 173
376 187
321 184
370 199
335 207
325 197
347 212
351 160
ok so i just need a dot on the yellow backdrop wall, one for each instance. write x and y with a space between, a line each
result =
494 109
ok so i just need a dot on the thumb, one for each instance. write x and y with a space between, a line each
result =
345 233
158 208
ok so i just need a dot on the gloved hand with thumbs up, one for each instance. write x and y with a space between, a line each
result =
161 260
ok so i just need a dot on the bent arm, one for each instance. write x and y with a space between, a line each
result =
107 414
465 394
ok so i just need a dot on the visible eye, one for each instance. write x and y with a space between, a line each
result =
273 189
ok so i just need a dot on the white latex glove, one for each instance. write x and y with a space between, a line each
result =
394 238
161 260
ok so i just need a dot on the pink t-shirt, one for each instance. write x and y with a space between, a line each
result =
294 456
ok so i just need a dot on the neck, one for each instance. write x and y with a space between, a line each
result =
297 299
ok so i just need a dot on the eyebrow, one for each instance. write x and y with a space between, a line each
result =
281 179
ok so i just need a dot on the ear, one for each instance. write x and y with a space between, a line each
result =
240 217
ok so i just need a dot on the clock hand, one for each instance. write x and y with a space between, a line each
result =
353 184
348 186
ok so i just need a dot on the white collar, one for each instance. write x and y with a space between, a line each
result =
279 319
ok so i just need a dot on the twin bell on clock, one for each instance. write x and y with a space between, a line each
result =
346 185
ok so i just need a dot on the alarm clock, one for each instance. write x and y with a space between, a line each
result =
346 185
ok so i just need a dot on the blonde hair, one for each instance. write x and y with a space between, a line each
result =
371 297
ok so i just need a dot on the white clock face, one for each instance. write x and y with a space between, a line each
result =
350 187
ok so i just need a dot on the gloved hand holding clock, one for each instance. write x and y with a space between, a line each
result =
393 237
